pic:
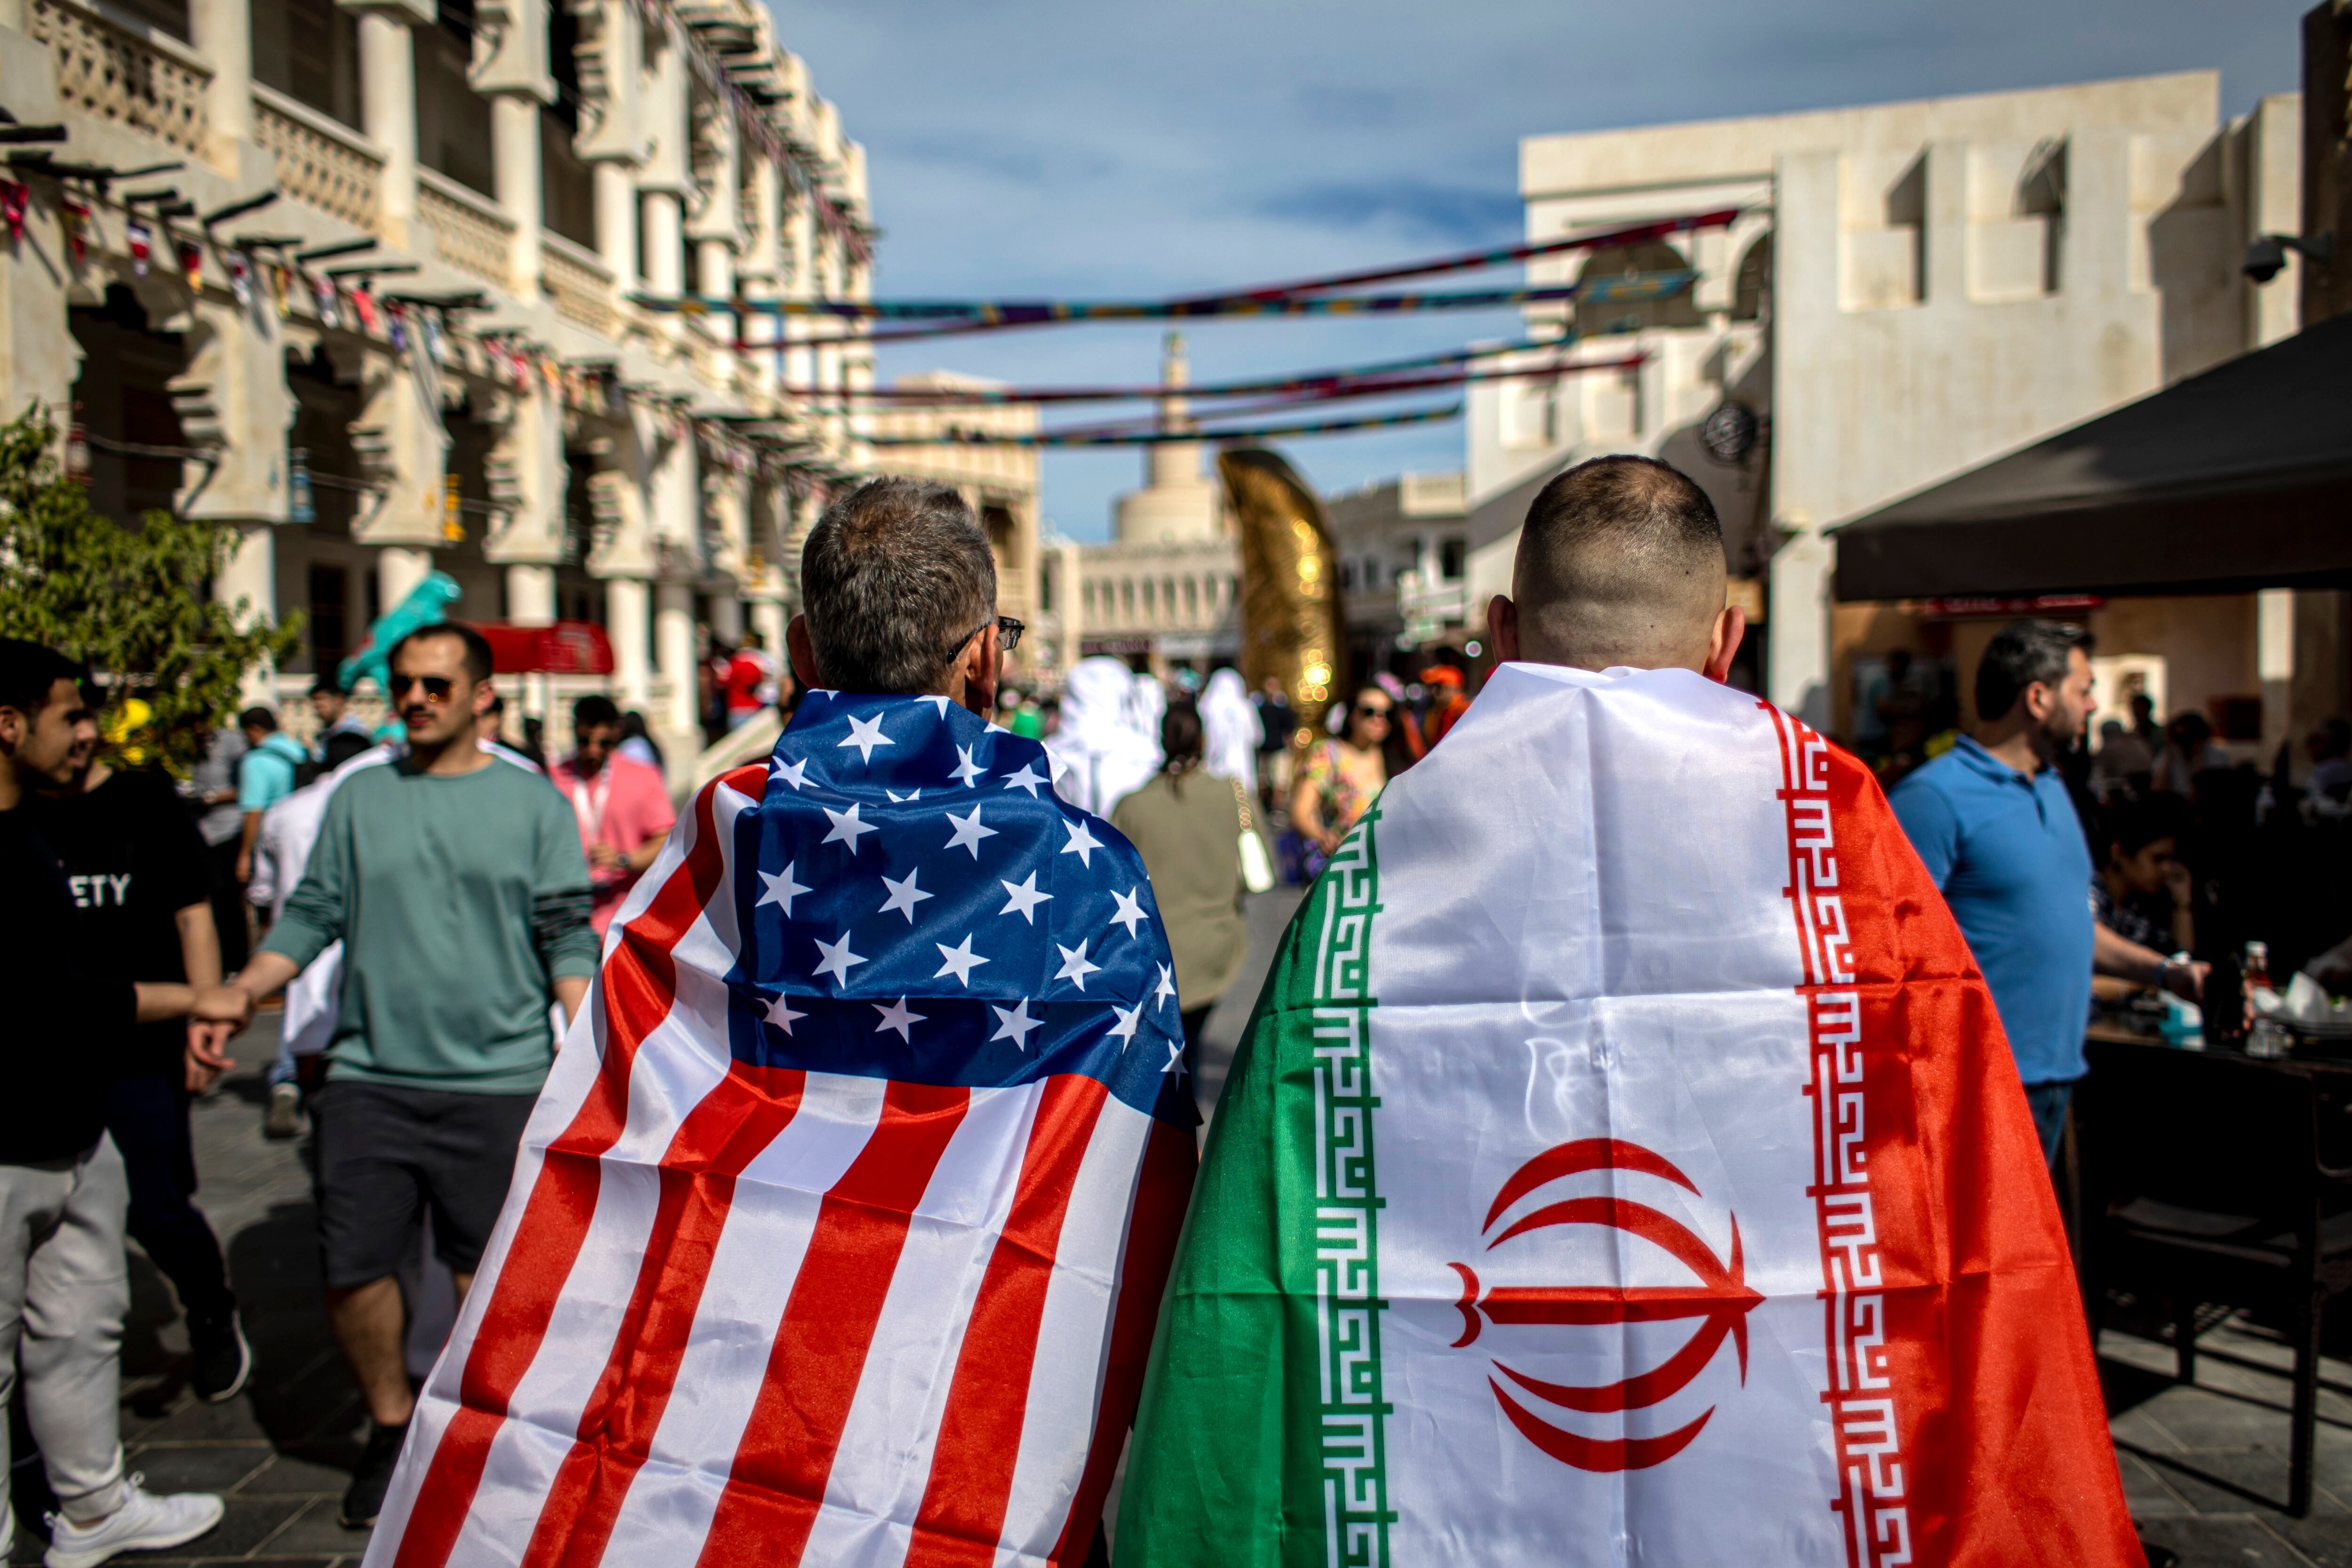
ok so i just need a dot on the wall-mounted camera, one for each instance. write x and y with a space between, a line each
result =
2266 257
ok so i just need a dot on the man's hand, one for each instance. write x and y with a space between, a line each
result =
605 857
207 1056
243 867
2180 883
570 990
2186 981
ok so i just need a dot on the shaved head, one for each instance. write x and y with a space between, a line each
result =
1620 562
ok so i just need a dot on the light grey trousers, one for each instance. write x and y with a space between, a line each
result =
64 1288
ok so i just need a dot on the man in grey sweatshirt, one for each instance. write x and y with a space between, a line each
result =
458 888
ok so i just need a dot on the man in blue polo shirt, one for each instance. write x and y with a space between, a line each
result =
1991 820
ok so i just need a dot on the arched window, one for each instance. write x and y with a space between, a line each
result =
1127 597
1192 598
1751 288
1596 316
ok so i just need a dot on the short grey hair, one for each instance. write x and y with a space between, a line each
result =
896 577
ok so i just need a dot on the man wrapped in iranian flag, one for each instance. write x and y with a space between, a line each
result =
1625 1163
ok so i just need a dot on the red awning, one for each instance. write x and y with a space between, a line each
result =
567 647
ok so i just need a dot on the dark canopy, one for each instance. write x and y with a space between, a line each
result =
2235 479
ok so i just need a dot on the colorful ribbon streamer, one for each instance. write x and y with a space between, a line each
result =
1625 287
1158 438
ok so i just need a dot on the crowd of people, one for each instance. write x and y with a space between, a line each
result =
430 901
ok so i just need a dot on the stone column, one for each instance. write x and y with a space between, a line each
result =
514 142
39 360
674 659
768 618
398 571
234 404
665 258
222 32
388 101
616 221
531 595
667 177
248 586
511 69
2274 666
625 612
725 615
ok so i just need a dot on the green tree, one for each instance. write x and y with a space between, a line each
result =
134 604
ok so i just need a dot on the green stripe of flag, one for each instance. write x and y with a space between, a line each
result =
1260 1440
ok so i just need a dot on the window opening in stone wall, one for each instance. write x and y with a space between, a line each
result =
164 15
1752 287
1598 316
310 50
123 398
567 185
1451 551
1004 537
453 121
329 625
2042 194
1906 208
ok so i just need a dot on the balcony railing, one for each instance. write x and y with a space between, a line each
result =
577 284
135 79
469 233
320 163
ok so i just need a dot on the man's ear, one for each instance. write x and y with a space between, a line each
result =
1502 627
1723 643
802 655
13 726
982 665
484 695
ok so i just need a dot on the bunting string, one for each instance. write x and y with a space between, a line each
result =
1627 287
1158 438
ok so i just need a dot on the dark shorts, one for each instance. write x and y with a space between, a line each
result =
386 1155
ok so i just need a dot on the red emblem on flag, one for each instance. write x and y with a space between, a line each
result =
1719 1299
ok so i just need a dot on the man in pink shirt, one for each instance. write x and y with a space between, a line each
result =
622 806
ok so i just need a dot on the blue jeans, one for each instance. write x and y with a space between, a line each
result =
2048 1102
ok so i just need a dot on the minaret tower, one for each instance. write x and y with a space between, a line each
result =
1176 502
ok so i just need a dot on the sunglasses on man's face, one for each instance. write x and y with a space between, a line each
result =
436 688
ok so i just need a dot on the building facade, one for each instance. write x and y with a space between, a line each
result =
1404 550
362 279
1910 289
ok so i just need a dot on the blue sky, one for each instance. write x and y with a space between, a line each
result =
1054 149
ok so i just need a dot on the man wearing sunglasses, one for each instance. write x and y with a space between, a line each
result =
458 889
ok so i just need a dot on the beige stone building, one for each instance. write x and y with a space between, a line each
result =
1405 548
998 481
359 277
1910 290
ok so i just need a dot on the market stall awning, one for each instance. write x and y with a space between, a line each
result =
2234 480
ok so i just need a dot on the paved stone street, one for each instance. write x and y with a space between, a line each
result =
2205 1467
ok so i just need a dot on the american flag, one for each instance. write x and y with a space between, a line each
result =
838 1233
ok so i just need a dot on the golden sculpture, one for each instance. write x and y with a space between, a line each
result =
1291 624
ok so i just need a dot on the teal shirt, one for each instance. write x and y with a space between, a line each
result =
266 774
459 900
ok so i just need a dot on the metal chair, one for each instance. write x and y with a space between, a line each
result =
2206 1182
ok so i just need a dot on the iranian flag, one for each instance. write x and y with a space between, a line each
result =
1624 1164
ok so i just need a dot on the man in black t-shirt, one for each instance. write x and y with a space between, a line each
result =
62 1189
135 865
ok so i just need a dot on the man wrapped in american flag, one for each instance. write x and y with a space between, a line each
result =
837 1235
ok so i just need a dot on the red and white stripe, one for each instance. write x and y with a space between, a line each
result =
735 1313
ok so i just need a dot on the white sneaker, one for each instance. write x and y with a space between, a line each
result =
145 1522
